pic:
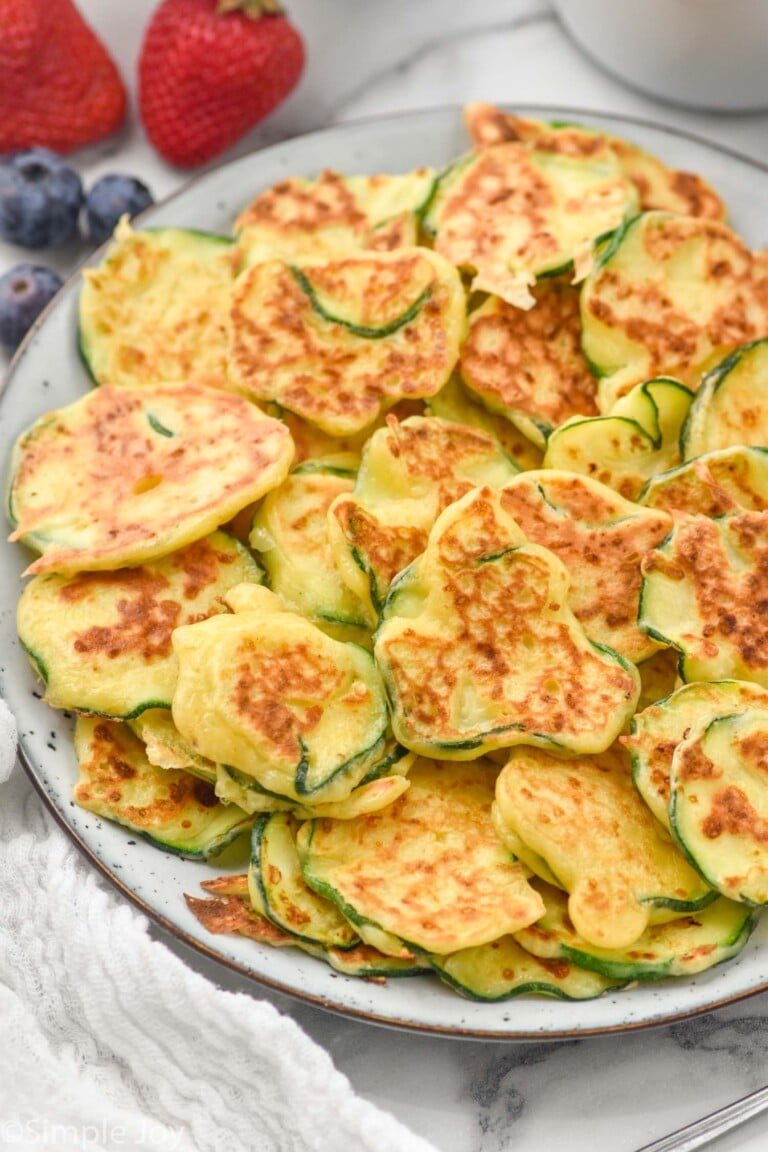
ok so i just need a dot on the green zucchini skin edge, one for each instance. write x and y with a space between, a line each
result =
384 765
376 601
684 907
626 971
402 578
758 449
156 426
670 381
470 744
42 671
142 706
346 621
246 781
300 779
544 429
257 839
85 357
370 753
594 368
137 711
82 346
15 462
318 468
559 270
372 970
36 662
711 384
421 210
534 987
324 888
192 854
300 776
721 370
445 177
358 329
656 635
653 434
654 632
655 443
634 755
201 233
692 860
615 241
258 833
604 254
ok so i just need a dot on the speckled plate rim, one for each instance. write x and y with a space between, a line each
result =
47 372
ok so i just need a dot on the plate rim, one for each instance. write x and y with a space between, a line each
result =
347 1011
184 937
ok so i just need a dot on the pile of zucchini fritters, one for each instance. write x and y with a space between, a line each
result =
418 530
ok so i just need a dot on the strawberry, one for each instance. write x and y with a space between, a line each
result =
208 72
59 88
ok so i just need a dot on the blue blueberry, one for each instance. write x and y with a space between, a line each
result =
40 198
110 198
24 292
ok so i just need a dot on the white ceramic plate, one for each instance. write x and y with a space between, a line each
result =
48 373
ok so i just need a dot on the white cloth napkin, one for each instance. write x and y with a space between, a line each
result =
109 1041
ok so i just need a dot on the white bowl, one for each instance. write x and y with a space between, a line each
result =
708 54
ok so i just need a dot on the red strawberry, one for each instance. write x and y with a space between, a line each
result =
208 72
58 86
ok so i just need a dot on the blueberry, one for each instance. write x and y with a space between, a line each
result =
110 198
24 292
40 198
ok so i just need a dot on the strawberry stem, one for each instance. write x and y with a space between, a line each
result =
254 9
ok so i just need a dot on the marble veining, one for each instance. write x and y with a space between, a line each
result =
744 1038
613 1093
496 1093
440 47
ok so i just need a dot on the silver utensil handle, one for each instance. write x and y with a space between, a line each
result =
699 1133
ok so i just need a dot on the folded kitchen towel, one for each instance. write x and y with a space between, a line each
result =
109 1041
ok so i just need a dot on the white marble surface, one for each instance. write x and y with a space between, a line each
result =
616 1092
